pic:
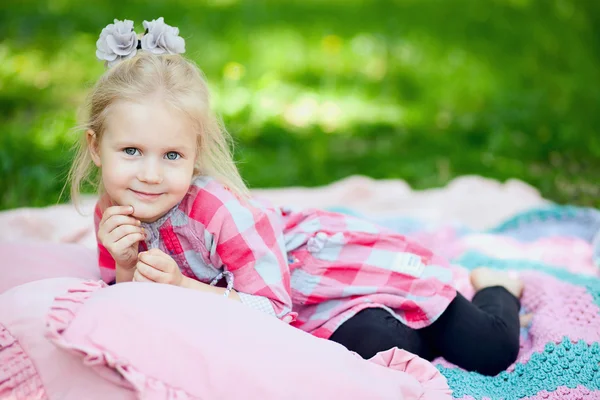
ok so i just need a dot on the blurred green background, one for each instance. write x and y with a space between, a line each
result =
314 91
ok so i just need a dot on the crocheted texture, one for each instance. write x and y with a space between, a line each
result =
587 220
19 379
560 351
556 251
471 260
565 365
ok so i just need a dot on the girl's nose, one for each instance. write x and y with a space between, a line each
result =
150 172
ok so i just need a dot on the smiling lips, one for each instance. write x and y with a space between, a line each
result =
146 196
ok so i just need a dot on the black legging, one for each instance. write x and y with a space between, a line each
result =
481 336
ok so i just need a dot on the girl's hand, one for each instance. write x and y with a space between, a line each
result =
120 234
156 266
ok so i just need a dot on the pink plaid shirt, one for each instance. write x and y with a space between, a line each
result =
313 268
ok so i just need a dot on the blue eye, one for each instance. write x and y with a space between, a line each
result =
131 151
173 155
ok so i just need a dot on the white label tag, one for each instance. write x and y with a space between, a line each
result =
409 264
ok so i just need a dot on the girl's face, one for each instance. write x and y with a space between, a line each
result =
147 156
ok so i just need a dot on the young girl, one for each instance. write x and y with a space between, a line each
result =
174 210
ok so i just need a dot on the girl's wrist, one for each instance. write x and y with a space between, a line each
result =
124 274
189 283
125 267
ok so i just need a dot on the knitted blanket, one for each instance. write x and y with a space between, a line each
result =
556 251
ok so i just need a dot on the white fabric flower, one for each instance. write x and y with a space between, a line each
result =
161 38
117 42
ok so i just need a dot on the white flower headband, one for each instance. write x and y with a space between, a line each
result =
119 41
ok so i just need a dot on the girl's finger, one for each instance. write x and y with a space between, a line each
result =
129 240
116 221
116 210
149 272
160 261
138 277
122 231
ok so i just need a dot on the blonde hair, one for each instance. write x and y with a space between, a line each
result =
183 86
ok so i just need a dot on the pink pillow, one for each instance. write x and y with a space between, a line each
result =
173 343
31 367
22 262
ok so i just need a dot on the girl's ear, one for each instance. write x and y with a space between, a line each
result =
92 141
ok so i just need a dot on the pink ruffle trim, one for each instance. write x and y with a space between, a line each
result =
63 311
434 383
19 380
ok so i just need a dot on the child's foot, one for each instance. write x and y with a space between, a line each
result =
525 320
484 277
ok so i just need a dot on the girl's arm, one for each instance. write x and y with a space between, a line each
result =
248 242
203 287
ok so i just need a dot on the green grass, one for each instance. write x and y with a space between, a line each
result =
316 90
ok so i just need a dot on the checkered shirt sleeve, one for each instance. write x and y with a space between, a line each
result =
247 241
